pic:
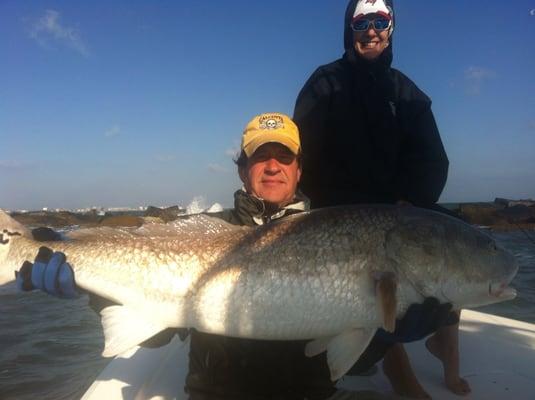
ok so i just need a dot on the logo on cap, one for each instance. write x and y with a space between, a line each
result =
270 122
372 2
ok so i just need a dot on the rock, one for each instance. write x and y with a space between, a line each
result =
121 220
512 203
165 214
502 202
53 219
45 234
482 214
518 214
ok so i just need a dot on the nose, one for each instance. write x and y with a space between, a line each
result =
272 165
371 30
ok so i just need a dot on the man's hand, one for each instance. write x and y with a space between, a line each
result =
419 321
50 272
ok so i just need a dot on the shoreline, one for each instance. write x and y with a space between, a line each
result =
501 216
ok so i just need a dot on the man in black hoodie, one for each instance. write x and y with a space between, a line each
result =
369 136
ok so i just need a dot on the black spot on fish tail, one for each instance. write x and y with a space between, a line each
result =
8 234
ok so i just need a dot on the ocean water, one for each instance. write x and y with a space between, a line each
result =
50 348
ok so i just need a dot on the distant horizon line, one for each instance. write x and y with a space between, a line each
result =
144 207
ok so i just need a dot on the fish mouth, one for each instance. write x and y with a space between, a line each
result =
499 288
501 291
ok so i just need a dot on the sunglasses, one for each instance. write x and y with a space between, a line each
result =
363 24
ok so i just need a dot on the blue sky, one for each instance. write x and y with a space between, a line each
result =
127 103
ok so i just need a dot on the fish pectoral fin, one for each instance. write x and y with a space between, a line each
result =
317 346
344 350
385 291
125 328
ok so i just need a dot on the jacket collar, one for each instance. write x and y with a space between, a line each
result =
253 211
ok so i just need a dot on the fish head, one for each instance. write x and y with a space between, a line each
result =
479 269
446 258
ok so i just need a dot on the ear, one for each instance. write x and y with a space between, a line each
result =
299 174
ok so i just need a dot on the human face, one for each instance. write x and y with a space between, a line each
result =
370 44
272 174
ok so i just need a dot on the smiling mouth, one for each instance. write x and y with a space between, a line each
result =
369 45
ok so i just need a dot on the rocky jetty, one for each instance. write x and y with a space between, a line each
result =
128 218
165 214
56 219
121 220
512 203
502 214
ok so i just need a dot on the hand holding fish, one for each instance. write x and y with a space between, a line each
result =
50 273
420 320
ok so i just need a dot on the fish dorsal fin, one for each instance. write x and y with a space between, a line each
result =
88 234
194 225
343 350
190 225
385 292
125 328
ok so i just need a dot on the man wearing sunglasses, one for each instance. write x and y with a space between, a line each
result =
369 136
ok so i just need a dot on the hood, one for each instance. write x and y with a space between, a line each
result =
386 58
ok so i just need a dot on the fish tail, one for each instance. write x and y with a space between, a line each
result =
11 228
9 231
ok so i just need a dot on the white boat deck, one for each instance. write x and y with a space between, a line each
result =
497 358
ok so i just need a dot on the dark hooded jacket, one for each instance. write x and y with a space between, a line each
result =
368 133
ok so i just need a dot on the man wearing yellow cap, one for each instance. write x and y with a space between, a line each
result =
269 166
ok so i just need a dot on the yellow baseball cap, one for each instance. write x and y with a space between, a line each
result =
270 128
